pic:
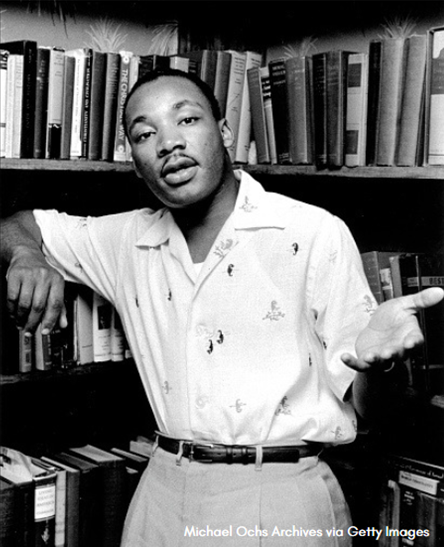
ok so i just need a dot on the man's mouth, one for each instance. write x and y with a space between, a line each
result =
179 170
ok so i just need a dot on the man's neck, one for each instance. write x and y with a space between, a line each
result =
202 222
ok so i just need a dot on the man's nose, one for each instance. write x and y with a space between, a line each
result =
170 138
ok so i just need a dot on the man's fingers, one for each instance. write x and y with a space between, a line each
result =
55 310
426 298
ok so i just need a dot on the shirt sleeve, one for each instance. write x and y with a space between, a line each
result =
84 249
342 301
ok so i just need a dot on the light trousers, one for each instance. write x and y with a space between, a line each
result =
221 505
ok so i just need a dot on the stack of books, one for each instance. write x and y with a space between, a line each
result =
74 498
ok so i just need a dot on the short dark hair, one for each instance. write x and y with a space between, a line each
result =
159 73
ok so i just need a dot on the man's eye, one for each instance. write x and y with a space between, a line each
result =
190 120
143 136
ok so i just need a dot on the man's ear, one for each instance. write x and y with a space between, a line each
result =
226 132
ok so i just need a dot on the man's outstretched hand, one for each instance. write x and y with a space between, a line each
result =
392 331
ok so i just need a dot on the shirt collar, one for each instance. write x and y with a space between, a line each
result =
252 210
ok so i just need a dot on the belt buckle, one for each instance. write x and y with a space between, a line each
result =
200 446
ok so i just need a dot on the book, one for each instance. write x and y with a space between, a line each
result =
206 60
3 87
374 262
72 500
14 101
268 107
26 352
236 81
41 101
137 461
86 111
112 492
337 65
89 496
83 319
278 87
258 119
133 77
117 337
222 76
119 153
28 49
101 328
42 350
60 500
97 98
183 63
299 72
142 446
435 98
67 107
151 62
110 105
20 469
412 101
76 144
55 102
253 59
356 110
391 84
17 501
374 78
320 109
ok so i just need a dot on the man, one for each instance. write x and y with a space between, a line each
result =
250 320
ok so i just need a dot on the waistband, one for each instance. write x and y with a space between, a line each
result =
220 453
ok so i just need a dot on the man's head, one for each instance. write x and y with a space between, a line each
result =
177 136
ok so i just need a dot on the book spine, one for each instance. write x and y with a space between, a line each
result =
374 78
77 107
356 111
120 139
98 79
4 54
110 105
234 96
320 109
133 77
67 107
18 107
208 67
221 79
435 149
244 134
117 338
10 93
86 103
412 96
259 123
278 85
101 321
390 100
268 107
41 102
299 86
55 101
42 350
44 511
26 352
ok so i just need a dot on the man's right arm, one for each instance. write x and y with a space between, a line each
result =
35 290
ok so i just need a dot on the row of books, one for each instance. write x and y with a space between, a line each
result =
392 274
73 498
412 504
381 107
94 334
69 104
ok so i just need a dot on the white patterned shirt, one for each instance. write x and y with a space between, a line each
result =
247 349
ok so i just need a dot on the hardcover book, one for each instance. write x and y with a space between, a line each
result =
101 328
55 102
300 109
122 92
236 81
258 119
320 109
79 55
435 98
356 110
374 78
3 86
206 60
98 80
222 76
67 107
14 106
278 86
110 105
41 101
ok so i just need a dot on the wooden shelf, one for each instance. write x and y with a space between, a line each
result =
430 172
77 370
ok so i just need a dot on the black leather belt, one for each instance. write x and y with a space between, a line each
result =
220 453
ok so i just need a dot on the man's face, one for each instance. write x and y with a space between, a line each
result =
177 145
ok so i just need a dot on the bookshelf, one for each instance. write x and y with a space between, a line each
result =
385 207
